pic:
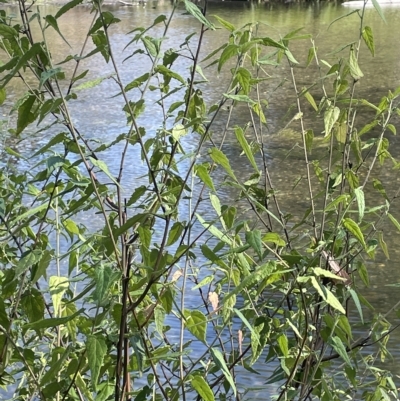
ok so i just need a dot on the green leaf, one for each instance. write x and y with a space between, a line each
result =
394 221
52 322
369 39
2 95
161 69
55 367
283 345
67 7
202 172
33 305
202 388
220 362
25 115
92 83
175 233
53 23
310 99
28 259
196 323
354 229
105 276
229 52
246 147
217 207
392 128
330 117
309 139
327 295
254 239
355 71
57 287
205 281
359 193
48 74
159 317
257 276
96 349
227 25
194 10
383 245
137 193
274 238
221 159
104 168
270 42
339 347
318 271
379 10
71 226
240 98
8 31
243 77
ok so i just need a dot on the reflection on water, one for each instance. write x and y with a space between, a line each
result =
100 118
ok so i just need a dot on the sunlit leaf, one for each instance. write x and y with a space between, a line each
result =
227 25
339 347
202 172
330 117
359 193
283 344
220 362
369 39
196 323
355 70
202 388
219 157
57 287
327 295
2 95
245 146
310 99
354 229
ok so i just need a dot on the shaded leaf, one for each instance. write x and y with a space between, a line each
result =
96 349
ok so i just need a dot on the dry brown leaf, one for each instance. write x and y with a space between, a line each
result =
213 298
176 275
336 268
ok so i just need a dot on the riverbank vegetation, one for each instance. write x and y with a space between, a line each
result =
170 273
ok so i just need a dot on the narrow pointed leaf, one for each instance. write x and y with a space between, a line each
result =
220 362
202 388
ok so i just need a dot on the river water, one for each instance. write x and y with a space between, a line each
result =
100 117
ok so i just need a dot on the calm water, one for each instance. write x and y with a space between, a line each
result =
100 117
